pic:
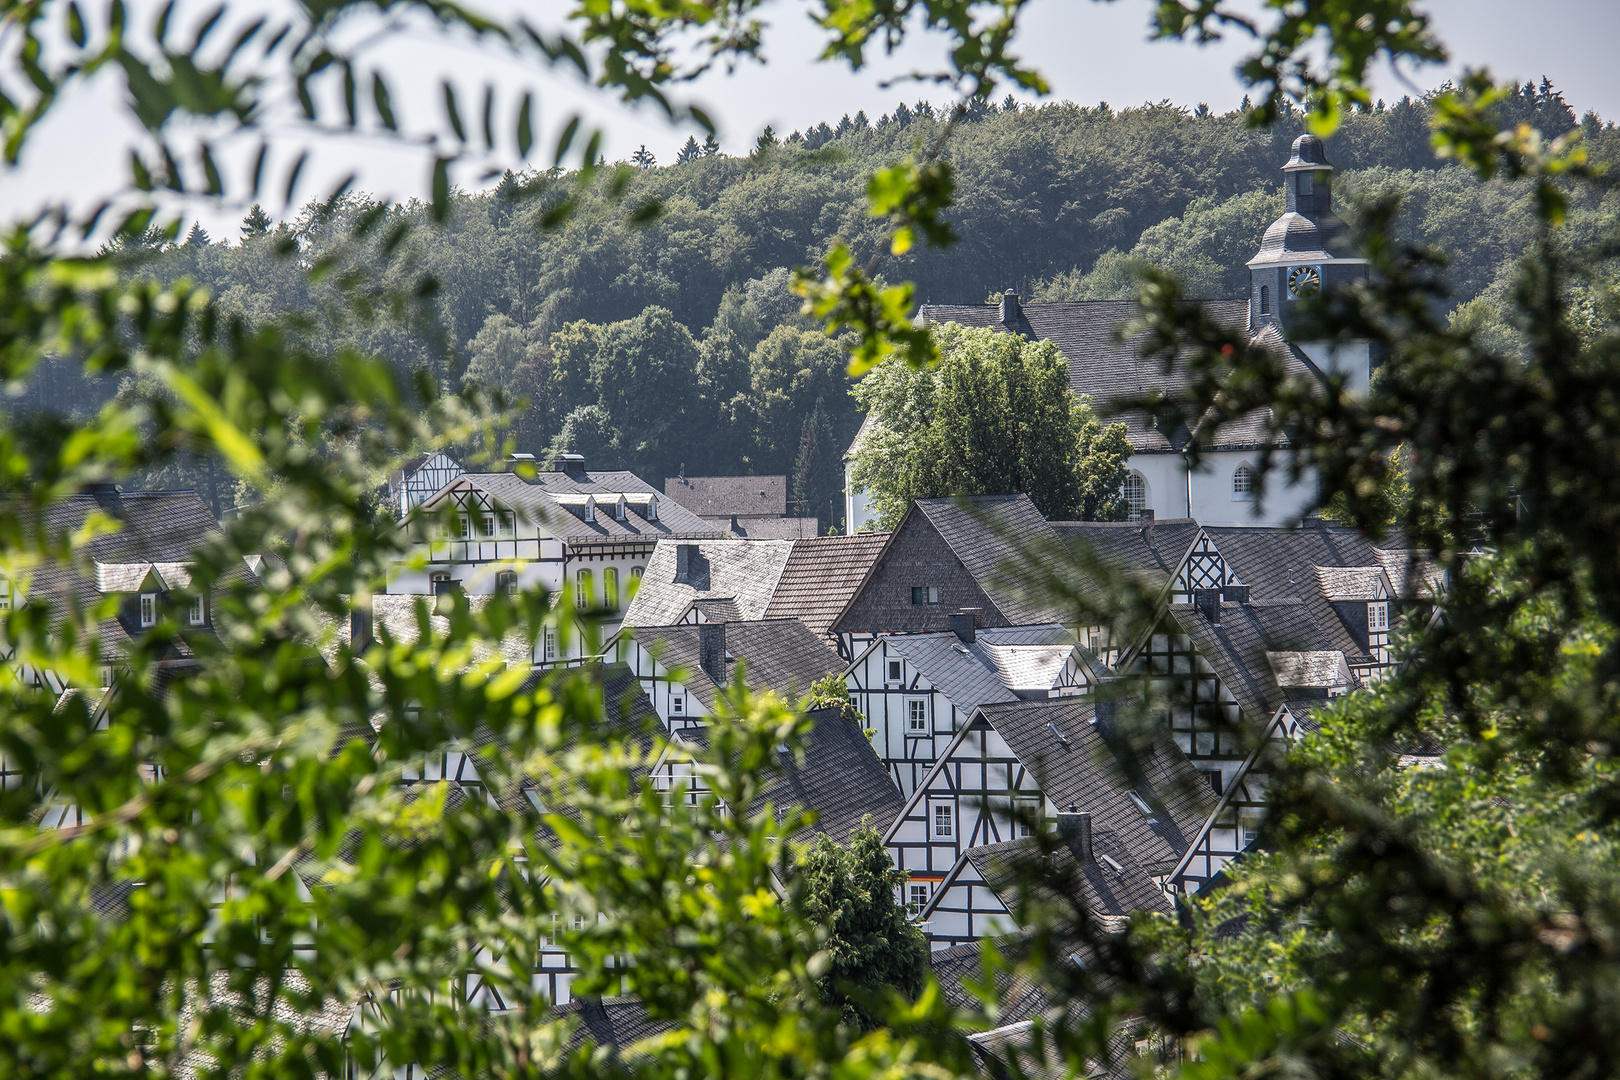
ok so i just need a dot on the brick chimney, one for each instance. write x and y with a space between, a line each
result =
1208 601
712 651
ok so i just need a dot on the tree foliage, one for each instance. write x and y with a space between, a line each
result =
996 417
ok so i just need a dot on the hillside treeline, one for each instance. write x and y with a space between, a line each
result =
653 340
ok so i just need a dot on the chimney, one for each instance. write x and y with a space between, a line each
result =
360 627
735 531
1236 594
686 556
572 464
1075 828
1208 601
1010 312
1145 519
712 651
962 626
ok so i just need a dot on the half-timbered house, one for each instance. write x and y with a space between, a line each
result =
917 690
1016 764
946 556
684 669
1095 869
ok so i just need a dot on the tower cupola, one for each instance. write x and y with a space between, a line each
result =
1305 250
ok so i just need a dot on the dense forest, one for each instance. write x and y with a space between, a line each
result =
653 329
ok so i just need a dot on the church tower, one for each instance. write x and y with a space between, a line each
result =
1305 250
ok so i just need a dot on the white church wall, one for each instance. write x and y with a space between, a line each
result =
1215 503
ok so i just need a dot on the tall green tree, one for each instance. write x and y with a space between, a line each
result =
997 417
874 948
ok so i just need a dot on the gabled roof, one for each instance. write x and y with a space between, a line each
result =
1152 554
821 575
1237 649
743 572
547 500
1307 562
1079 761
840 779
1324 670
723 496
1107 892
999 662
1105 370
1353 582
780 654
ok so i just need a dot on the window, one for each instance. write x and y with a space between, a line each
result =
1307 183
1028 812
550 645
582 589
1265 299
198 611
438 576
508 524
1378 615
1243 483
1136 496
894 671
925 594
590 510
677 704
917 714
943 820
506 581
463 527
486 526
610 586
620 510
919 899
652 509
5 593
1213 778
148 609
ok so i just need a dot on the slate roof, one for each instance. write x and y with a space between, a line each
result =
1152 556
158 531
614 1022
396 613
1237 649
1281 563
1414 574
547 500
1309 670
820 577
1350 582
983 530
744 572
956 967
1077 761
772 528
1107 892
780 654
1084 331
999 662
841 779
723 496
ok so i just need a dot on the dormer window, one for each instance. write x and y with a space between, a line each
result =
198 613
148 609
652 508
1243 481
1378 615
621 509
590 510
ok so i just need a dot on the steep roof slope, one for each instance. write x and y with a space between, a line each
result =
1237 649
723 496
742 571
543 501
779 654
821 575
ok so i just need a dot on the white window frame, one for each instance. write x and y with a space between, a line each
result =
1378 616
507 524
199 611
917 897
1135 493
916 714
677 704
486 525
583 586
943 819
548 644
610 586
148 609
895 672
1244 480
463 526
506 581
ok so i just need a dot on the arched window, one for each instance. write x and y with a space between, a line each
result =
610 587
1265 299
1243 482
1136 495
582 589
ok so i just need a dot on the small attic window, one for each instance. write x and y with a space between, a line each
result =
1142 806
652 508
590 510
148 609
621 509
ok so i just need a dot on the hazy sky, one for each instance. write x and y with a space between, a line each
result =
1089 51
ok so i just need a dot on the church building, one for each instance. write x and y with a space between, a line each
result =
1303 251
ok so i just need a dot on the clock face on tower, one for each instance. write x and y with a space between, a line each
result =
1304 280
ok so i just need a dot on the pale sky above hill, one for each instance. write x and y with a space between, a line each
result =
1089 51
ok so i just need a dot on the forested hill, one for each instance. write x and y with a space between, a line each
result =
674 341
